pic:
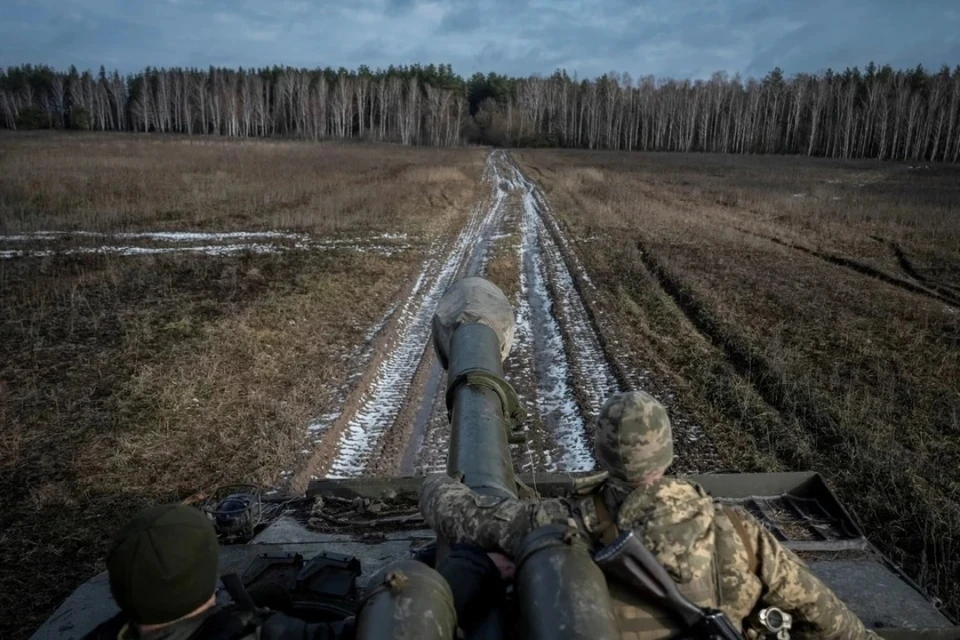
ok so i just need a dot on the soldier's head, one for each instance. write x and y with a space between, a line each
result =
163 565
633 439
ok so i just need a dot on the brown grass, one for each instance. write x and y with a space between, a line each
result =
121 182
130 380
790 325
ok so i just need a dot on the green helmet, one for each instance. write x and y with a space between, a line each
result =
163 564
633 437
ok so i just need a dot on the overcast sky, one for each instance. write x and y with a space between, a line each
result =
676 38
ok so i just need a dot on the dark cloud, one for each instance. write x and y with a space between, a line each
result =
397 7
463 20
679 38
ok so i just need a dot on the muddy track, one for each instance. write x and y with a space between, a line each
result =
572 372
394 420
923 289
404 373
425 448
769 383
908 268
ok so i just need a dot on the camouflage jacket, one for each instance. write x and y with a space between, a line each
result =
694 539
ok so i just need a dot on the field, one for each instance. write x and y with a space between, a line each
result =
806 314
179 313
171 365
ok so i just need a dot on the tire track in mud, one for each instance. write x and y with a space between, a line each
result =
923 288
521 369
573 374
395 421
945 291
407 371
426 451
387 394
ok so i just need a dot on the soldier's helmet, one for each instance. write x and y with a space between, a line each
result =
633 437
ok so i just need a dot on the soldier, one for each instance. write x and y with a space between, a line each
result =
720 557
163 568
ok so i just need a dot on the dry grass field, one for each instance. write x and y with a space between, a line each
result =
175 313
129 379
806 312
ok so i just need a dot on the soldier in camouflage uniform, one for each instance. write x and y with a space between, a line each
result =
720 557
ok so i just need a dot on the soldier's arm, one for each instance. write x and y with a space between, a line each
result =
458 514
790 586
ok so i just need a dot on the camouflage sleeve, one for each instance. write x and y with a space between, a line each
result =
817 611
459 514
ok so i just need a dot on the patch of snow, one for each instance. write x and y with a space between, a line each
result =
162 236
556 403
322 423
210 250
179 240
383 400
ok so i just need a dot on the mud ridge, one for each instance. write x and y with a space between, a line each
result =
907 266
435 437
749 365
859 267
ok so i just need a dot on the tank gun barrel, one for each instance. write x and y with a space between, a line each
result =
562 593
473 331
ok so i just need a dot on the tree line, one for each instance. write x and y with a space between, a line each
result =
875 113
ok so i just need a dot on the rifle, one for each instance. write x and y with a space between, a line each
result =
632 563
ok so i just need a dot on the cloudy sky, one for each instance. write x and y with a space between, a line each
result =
677 38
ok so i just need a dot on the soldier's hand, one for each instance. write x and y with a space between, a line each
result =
504 565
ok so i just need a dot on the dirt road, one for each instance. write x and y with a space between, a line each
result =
394 420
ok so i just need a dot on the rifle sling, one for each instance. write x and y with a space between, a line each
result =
606 528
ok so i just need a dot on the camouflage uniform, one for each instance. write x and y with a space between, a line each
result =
719 556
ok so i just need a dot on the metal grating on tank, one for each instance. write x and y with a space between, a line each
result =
801 523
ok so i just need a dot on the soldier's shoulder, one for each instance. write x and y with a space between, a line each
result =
670 487
667 500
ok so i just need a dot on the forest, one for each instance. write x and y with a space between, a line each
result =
877 113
